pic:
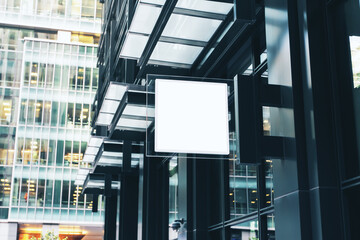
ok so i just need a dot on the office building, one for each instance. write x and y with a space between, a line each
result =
48 80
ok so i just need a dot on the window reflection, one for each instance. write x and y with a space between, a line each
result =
67 154
38 112
243 189
70 115
47 113
80 78
87 10
78 115
5 185
8 105
7 145
245 231
173 195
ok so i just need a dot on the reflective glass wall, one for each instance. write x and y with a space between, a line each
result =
58 83
11 51
76 14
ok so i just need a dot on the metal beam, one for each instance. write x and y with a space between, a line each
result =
164 16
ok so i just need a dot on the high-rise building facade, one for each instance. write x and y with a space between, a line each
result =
48 80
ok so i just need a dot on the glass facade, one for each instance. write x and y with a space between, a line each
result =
78 15
58 84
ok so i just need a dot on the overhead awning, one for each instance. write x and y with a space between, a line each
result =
109 159
97 181
113 95
92 148
81 176
124 108
187 31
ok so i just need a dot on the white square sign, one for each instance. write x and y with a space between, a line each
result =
191 117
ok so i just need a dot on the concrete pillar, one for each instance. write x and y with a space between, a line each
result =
9 231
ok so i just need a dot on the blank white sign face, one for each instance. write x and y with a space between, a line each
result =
191 117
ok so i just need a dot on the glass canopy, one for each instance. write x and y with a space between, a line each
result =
188 30
97 181
81 176
123 108
92 148
113 94
111 154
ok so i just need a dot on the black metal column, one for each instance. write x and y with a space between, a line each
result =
306 180
128 207
154 197
110 217
128 197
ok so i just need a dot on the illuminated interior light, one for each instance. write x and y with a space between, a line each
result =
6 104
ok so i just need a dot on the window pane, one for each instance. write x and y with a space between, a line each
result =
38 112
85 115
70 115
42 70
58 8
44 151
49 192
27 74
52 152
65 77
32 191
80 78
67 155
40 194
27 152
24 196
75 154
72 78
78 114
249 229
49 75
5 186
62 114
31 112
34 74
47 112
75 8
16 192
57 75
243 189
35 151
60 153
87 78
87 10
23 111
54 113
57 191
65 194
7 145
95 79
73 195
